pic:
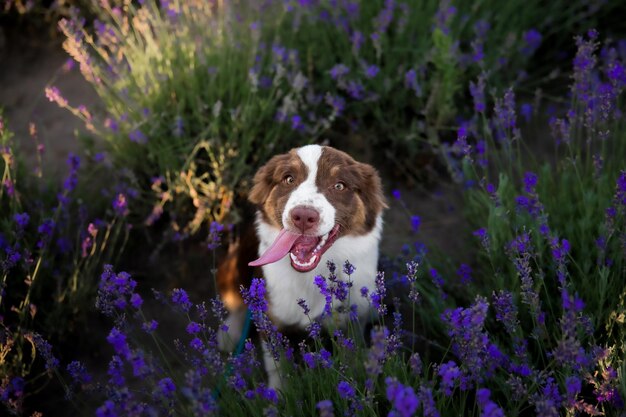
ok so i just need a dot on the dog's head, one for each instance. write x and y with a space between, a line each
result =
315 195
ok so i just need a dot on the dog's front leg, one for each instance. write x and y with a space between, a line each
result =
271 366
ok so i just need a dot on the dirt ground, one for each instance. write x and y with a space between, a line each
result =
30 60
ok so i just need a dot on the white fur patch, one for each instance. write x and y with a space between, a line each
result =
285 285
307 194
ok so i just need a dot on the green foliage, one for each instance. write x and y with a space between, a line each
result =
52 246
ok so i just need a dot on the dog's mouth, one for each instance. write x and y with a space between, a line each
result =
305 251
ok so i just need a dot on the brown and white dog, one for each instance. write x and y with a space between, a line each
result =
314 204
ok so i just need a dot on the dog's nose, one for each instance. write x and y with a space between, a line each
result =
305 218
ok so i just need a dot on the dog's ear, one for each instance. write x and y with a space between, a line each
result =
264 180
370 187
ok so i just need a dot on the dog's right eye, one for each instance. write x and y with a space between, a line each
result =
289 179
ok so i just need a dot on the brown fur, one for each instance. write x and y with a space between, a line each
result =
360 201
270 191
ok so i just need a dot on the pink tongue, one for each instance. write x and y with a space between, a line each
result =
281 247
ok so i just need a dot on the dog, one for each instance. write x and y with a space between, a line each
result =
313 204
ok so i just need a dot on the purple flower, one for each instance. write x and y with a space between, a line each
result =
338 71
416 221
532 40
573 385
136 301
425 396
415 362
378 352
320 282
138 136
505 110
78 373
449 373
196 343
21 219
150 326
117 339
73 161
296 123
526 110
477 91
487 407
584 64
444 15
193 328
465 273
215 235
114 291
437 280
506 310
165 388
348 268
410 82
355 90
547 402
325 408
54 95
378 297
371 71
120 205
181 299
345 390
304 306
530 182
402 398
484 237
44 349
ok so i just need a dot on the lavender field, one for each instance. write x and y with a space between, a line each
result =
130 132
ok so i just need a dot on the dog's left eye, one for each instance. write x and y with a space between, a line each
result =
340 186
289 179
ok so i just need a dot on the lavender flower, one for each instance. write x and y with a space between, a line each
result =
44 349
530 182
54 95
377 354
325 408
345 390
21 219
339 71
415 362
416 221
138 136
402 398
465 273
506 310
348 268
115 291
165 388
532 40
477 91
320 282
378 297
117 340
444 16
371 71
505 111
181 299
215 235
470 342
78 373
449 373
487 407
548 401
410 82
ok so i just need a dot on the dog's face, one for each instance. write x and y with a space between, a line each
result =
315 195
